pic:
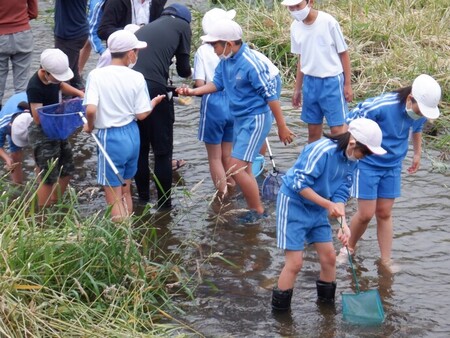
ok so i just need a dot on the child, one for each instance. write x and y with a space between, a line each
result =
252 96
44 89
115 97
315 188
14 121
397 113
323 71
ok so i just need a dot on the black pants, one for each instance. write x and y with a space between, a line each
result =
156 131
72 49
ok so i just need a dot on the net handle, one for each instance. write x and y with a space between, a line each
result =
275 170
108 159
341 222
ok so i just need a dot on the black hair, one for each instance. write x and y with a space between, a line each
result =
118 55
23 105
403 93
342 141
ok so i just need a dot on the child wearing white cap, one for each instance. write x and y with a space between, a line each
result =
378 178
323 77
115 97
252 95
45 88
14 121
314 189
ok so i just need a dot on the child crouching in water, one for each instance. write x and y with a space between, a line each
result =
315 188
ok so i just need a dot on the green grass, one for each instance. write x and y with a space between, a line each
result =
390 43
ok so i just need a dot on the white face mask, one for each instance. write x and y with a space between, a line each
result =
223 56
351 157
50 81
412 114
132 64
301 14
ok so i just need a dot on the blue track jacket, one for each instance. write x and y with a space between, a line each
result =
247 82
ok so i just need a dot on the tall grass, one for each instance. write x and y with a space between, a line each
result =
390 43
66 274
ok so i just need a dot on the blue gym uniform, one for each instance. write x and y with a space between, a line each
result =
122 146
247 82
325 169
380 176
7 112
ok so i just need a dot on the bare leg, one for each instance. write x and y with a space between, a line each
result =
85 52
327 259
293 262
120 200
216 167
385 230
336 130
314 132
360 220
17 173
226 158
247 182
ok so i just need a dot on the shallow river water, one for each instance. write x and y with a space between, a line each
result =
233 300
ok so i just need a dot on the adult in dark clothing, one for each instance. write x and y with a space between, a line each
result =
168 36
71 33
119 13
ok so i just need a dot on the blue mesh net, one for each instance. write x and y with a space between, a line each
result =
61 120
363 308
271 185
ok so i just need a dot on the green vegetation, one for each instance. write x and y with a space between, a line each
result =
391 42
64 274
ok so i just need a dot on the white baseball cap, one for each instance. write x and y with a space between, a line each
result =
367 132
291 2
427 92
223 30
213 15
19 129
131 27
124 41
54 61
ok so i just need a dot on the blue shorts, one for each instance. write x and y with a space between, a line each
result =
122 145
370 184
324 97
298 223
249 135
216 121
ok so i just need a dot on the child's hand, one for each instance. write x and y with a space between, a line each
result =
297 98
87 129
157 99
414 165
184 90
285 134
344 234
336 210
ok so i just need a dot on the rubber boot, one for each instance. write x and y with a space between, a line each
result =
326 291
281 300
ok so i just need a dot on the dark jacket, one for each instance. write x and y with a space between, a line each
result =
117 14
166 37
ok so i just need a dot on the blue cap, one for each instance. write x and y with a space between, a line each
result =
178 10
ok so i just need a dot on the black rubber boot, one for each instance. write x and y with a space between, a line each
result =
326 291
281 300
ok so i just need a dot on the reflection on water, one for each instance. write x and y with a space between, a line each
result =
234 299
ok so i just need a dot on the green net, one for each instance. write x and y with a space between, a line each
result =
363 308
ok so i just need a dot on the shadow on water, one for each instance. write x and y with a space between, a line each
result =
234 297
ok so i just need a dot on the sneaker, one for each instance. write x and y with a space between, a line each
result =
251 216
342 257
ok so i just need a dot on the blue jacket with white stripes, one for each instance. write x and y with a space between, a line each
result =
324 168
247 82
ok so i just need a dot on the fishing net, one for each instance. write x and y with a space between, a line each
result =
271 185
61 120
363 308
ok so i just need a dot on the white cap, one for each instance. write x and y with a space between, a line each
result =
124 41
367 132
427 92
54 61
212 16
131 27
291 2
223 30
19 129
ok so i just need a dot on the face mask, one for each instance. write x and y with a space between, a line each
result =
412 114
50 81
301 14
132 64
225 57
351 157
